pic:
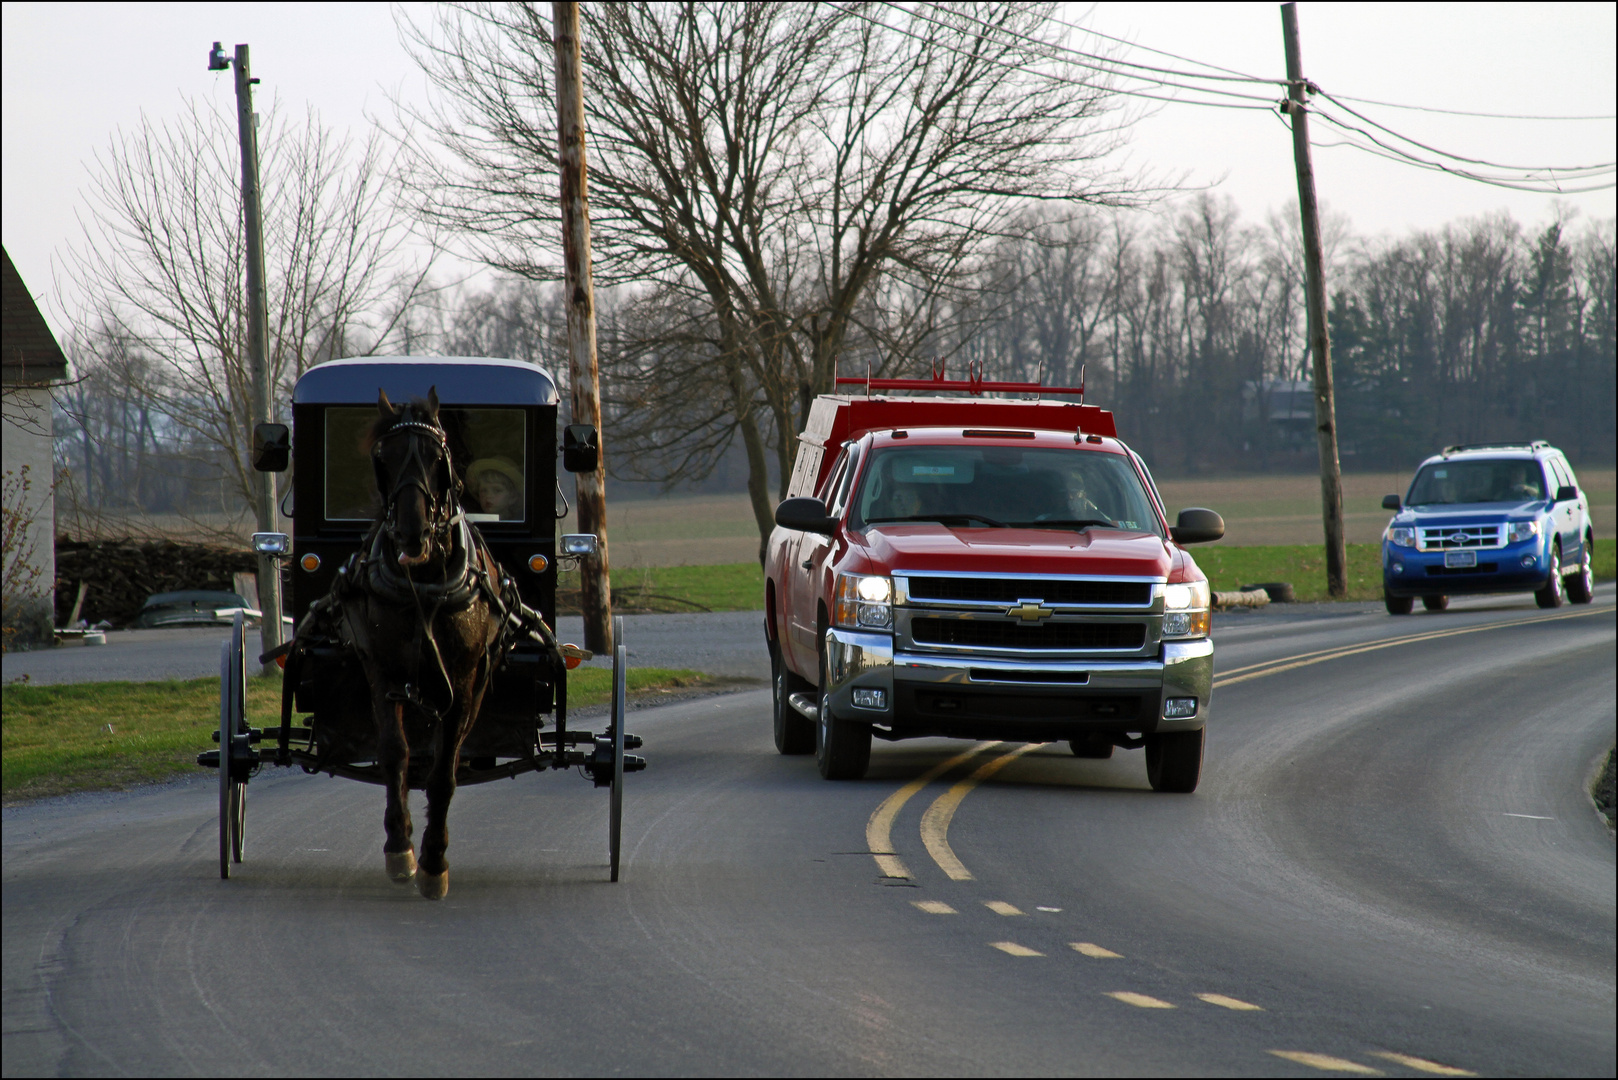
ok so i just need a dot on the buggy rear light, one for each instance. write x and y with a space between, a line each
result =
574 655
310 562
538 563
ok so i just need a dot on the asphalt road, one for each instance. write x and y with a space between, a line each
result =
1390 865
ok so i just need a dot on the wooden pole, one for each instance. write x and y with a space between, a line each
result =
1331 472
258 344
590 487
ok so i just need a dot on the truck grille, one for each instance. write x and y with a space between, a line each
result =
995 634
1011 590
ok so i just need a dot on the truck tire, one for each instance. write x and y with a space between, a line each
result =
1581 583
794 733
1554 594
1174 760
1435 602
842 747
1398 605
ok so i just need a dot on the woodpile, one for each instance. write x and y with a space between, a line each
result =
118 575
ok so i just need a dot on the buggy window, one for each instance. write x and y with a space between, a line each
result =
488 446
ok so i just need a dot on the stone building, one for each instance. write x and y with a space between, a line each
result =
30 361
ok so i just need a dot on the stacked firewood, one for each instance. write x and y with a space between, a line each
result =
118 575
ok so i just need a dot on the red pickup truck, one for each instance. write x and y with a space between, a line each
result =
984 568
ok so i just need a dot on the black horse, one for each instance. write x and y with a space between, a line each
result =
429 614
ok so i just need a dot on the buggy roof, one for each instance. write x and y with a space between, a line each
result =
460 380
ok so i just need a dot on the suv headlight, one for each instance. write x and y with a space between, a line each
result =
1185 610
864 602
1523 530
1402 536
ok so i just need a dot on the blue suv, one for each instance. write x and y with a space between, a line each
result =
1489 518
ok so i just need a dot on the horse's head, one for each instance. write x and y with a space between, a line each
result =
415 477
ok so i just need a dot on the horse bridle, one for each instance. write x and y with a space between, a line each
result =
440 508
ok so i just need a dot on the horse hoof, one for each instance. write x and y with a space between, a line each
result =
433 886
401 866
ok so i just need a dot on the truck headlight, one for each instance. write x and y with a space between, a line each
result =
1185 610
1523 530
1402 537
864 602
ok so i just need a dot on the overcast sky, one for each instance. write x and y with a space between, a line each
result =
72 73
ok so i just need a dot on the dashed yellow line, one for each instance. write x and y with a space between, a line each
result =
1014 949
1327 1063
934 907
1096 951
935 822
879 829
1000 907
1140 1001
1230 1003
1422 1064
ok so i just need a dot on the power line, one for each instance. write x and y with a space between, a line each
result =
1461 112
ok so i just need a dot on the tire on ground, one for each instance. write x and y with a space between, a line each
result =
1554 594
842 747
794 732
1174 760
1435 602
1398 605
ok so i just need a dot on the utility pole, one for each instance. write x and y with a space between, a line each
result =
590 487
258 340
1331 471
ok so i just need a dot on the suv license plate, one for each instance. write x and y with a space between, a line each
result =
1460 558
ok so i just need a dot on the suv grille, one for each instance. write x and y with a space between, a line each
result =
1011 635
1450 537
1011 590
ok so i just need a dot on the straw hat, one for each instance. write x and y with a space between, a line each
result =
503 466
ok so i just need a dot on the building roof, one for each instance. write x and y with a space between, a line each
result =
28 350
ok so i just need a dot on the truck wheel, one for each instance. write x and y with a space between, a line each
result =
1581 586
1091 746
1398 605
1435 603
794 733
1554 594
1174 761
842 748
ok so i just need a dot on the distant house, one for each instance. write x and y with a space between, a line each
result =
30 361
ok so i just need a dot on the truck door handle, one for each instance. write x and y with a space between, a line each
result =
807 564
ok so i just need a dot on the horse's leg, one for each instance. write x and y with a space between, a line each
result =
433 877
393 754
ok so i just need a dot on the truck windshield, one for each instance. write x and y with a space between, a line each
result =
1010 486
1510 480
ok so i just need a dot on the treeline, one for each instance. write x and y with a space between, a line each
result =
1189 324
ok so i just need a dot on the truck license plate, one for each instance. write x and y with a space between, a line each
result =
1460 558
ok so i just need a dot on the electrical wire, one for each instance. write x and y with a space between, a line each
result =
1462 112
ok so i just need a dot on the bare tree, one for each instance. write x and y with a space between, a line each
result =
162 263
762 172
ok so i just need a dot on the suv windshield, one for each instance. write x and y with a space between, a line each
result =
1002 486
1500 480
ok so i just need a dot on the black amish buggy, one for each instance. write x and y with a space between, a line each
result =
423 566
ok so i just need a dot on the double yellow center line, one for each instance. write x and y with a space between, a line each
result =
936 819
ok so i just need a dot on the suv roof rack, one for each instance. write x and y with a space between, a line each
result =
1537 444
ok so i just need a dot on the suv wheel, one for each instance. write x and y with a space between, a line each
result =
1581 585
794 733
1398 605
1554 594
842 747
1174 761
1435 603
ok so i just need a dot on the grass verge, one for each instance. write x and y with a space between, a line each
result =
96 736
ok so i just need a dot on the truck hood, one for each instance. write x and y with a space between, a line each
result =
989 551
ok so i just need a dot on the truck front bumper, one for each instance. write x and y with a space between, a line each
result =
907 695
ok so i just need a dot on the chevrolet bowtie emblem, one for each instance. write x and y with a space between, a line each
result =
1030 610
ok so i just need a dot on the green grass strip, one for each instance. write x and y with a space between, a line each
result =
92 736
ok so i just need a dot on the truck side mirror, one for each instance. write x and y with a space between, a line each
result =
1567 493
1391 502
272 447
805 515
1197 526
581 448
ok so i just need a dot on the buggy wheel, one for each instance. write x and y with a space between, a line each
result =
232 726
620 678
